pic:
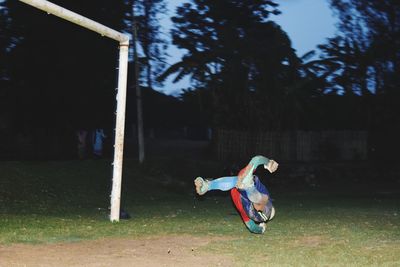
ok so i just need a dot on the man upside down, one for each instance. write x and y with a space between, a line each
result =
250 196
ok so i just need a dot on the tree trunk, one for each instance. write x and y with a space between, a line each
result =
138 91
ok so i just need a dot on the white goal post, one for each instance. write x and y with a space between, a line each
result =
123 40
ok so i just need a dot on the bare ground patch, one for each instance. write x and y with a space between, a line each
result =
155 251
311 241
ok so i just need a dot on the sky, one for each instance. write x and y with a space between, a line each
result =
307 22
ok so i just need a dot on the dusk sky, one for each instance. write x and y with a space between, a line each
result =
307 22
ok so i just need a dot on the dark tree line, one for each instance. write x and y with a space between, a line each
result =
244 71
246 75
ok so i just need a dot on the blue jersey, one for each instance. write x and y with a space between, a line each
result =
248 207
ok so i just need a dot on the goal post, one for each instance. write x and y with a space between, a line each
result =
123 40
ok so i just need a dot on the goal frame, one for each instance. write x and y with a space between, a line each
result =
123 40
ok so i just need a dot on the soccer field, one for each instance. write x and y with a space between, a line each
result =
62 207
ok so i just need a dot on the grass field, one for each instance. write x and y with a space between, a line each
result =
67 201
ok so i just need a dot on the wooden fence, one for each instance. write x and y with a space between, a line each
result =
304 146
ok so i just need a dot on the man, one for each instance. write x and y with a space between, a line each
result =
249 195
98 139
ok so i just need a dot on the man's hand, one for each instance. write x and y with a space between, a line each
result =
256 228
263 226
271 166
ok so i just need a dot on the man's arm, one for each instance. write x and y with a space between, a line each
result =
269 164
259 160
256 228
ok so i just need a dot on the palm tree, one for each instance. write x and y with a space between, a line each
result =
234 51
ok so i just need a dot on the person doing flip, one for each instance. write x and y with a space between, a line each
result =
250 197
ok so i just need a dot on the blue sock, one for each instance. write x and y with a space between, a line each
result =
223 183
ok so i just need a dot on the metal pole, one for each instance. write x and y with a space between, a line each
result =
119 131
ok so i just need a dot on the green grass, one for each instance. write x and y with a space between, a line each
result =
67 201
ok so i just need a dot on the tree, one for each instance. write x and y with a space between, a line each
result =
246 60
146 32
150 37
344 66
372 30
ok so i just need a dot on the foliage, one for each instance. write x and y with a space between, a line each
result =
245 73
146 14
243 58
342 66
364 57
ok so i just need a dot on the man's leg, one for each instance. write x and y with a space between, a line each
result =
223 184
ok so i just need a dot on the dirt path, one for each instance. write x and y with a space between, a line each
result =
160 251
